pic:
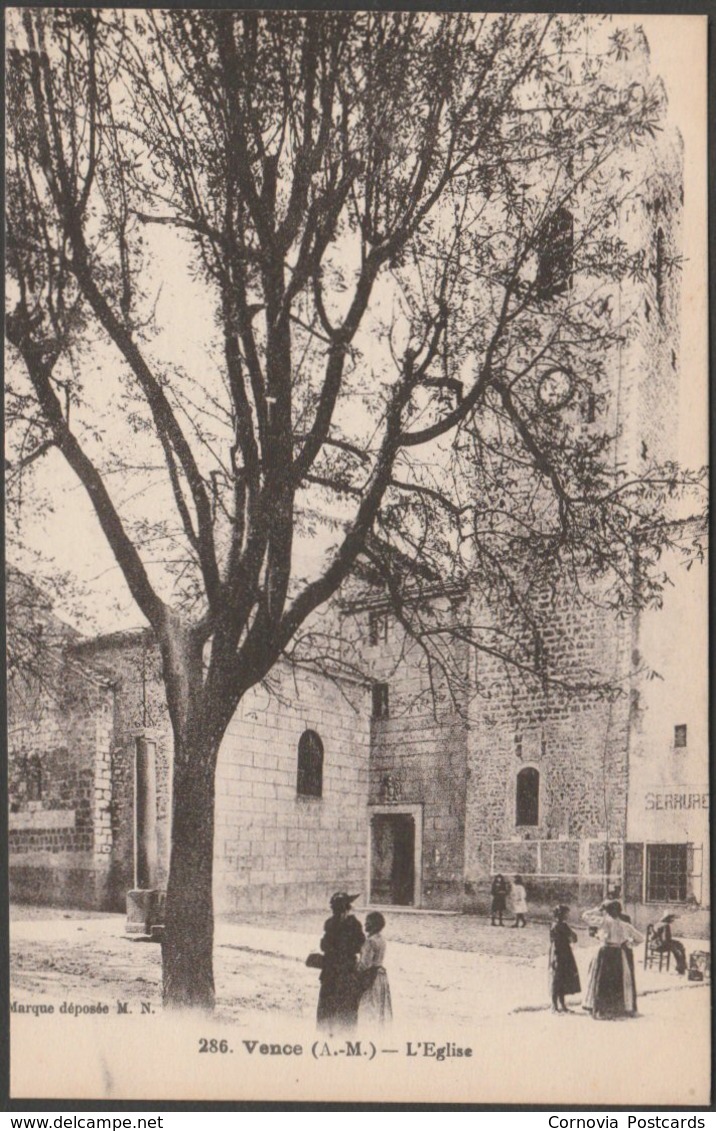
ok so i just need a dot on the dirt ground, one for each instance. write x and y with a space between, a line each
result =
259 961
450 975
440 964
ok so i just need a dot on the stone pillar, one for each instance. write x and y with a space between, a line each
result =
145 903
145 814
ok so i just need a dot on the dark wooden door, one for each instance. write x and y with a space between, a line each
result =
393 859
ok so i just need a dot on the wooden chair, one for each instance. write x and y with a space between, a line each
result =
652 950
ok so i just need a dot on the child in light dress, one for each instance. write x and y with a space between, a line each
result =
374 1007
518 900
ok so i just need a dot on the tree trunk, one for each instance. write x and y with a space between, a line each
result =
187 946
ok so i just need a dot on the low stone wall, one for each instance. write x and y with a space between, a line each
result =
69 879
542 895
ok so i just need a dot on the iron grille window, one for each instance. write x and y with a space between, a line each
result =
666 873
527 797
310 765
381 708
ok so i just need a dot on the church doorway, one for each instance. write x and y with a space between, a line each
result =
393 844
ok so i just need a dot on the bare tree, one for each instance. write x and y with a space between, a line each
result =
365 203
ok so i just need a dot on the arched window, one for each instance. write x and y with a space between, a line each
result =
310 765
527 797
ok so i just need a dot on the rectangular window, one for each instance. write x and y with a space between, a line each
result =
666 873
380 701
680 735
378 628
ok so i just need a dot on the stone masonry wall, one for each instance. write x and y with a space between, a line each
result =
418 752
581 745
274 848
139 710
577 741
645 382
59 788
424 763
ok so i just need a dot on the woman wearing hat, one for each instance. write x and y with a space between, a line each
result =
611 990
563 973
340 989
667 943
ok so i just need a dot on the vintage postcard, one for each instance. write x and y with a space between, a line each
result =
356 432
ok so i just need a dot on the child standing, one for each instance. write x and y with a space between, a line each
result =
374 1008
518 897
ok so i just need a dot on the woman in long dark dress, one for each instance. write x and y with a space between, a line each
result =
611 989
563 973
340 988
498 891
627 947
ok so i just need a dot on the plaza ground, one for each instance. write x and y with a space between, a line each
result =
453 979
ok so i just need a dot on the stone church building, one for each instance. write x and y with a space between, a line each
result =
366 783
328 781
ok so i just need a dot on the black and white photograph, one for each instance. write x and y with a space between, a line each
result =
356 432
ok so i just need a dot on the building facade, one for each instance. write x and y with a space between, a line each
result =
412 794
581 794
90 785
407 793
667 850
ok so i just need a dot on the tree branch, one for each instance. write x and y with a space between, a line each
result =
121 544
